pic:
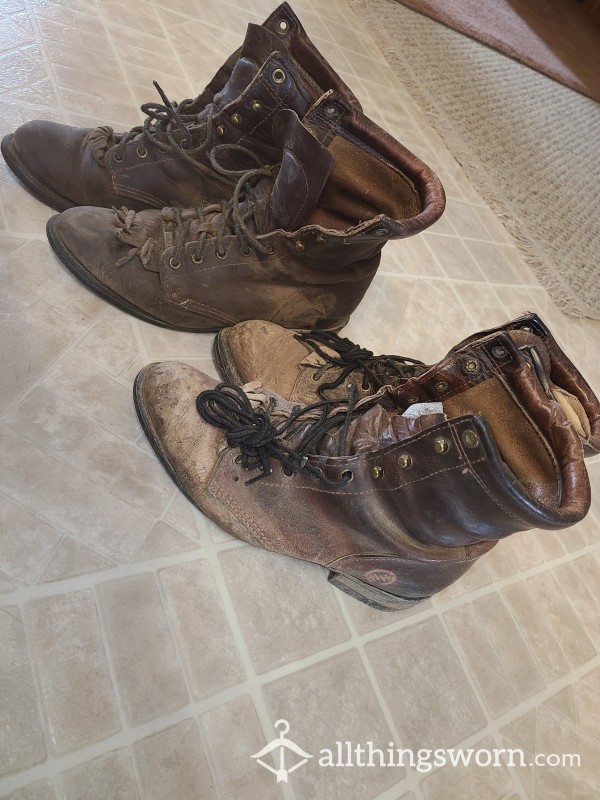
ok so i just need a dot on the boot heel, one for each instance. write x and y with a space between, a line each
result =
371 595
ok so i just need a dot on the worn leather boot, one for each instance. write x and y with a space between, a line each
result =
165 161
308 366
397 494
297 244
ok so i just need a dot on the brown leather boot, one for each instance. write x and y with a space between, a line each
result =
308 366
297 244
397 504
165 161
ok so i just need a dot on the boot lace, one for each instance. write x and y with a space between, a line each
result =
377 371
161 123
261 440
215 221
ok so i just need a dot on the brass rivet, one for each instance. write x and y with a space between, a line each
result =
278 75
441 444
236 119
256 106
499 352
221 130
298 245
404 461
472 365
470 439
377 472
441 386
320 238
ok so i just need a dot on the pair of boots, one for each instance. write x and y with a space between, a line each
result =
269 196
394 475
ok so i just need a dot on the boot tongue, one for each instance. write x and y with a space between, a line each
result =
305 168
258 45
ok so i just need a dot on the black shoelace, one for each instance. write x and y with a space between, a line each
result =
260 440
377 371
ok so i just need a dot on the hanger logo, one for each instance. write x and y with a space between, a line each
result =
281 749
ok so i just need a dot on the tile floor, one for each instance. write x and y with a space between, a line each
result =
146 654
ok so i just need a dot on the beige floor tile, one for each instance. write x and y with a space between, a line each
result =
232 733
293 610
71 664
136 625
71 558
472 782
26 543
41 790
109 776
163 541
65 498
325 703
172 765
534 626
21 736
562 619
210 656
514 653
482 659
424 684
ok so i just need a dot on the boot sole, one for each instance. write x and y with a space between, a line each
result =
371 595
40 191
81 273
366 593
223 359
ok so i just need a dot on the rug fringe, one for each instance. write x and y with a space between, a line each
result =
549 277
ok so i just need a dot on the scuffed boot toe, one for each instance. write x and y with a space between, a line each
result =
37 153
165 399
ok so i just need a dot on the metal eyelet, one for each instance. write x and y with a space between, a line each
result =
197 260
470 439
237 460
141 153
246 251
174 264
299 245
256 106
377 472
347 475
441 445
287 472
498 351
235 118
221 130
283 25
221 255
270 249
278 75
441 386
472 365
315 378
119 158
404 461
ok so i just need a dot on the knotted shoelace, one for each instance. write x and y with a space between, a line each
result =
377 371
238 216
161 123
261 440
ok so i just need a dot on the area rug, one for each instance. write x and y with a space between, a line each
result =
556 37
528 144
